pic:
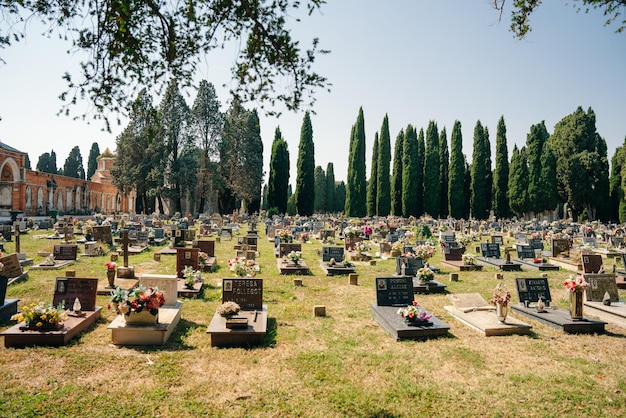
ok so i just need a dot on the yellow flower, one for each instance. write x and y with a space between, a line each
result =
39 324
43 317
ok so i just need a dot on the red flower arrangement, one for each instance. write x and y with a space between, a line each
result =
143 298
110 265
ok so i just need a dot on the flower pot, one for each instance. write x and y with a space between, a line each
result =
43 328
141 318
111 278
502 311
576 304
395 253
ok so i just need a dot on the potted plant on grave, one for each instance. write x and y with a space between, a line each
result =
142 304
191 277
415 316
425 251
228 309
41 316
425 275
294 257
576 286
203 260
242 267
396 248
118 296
501 298
284 235
111 266
361 247
469 259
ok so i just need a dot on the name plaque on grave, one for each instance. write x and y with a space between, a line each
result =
525 251
179 238
531 289
394 291
332 252
246 292
592 263
490 250
497 239
536 243
559 246
65 252
67 289
12 267
286 248
103 234
599 285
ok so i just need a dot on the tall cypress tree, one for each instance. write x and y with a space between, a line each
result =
419 191
373 183
383 189
501 174
518 182
432 167
305 178
409 173
444 173
330 189
616 194
548 193
479 171
534 146
456 189
489 182
320 189
279 174
340 195
356 189
92 160
396 182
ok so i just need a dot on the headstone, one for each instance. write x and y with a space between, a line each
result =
392 237
497 239
525 251
168 284
559 246
592 263
12 268
6 232
65 252
332 252
246 292
531 289
599 285
616 241
206 246
521 238
286 248
67 289
102 233
179 238
590 241
394 291
143 238
490 250
250 240
411 265
447 237
536 243
186 257
159 233
452 252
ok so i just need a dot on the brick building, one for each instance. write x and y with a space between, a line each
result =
36 193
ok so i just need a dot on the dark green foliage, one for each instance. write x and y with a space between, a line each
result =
501 173
618 167
131 45
73 166
518 182
548 191
373 183
340 196
47 163
467 188
489 182
305 177
356 189
578 146
331 204
320 189
444 173
27 162
92 160
396 181
264 198
278 182
457 199
432 171
480 175
291 205
535 140
383 188
419 191
409 173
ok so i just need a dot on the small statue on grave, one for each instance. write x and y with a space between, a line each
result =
541 306
606 300
49 261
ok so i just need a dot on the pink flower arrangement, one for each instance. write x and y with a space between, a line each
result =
413 313
575 284
367 230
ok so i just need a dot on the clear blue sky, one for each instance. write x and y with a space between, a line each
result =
413 60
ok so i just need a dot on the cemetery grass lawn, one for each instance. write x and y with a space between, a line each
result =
343 364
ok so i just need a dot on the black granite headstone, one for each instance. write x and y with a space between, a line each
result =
332 252
394 291
531 289
67 289
246 292
490 250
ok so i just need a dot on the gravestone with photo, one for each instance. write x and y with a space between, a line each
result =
333 261
397 292
251 320
530 290
602 300
102 233
207 247
491 257
532 258
66 290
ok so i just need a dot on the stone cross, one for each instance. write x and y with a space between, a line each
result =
125 241
17 238
66 232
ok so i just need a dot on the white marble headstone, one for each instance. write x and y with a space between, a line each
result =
166 283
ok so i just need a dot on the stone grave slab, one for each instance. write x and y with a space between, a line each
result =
393 293
186 257
527 258
474 311
64 255
251 336
340 267
102 233
560 318
430 287
287 267
615 313
66 289
491 257
530 289
207 247
166 284
185 292
12 268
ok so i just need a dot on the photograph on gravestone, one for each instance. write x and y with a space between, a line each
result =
332 252
411 265
394 291
246 292
531 289
66 290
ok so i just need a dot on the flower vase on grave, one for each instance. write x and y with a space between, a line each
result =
141 318
111 278
576 304
502 310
